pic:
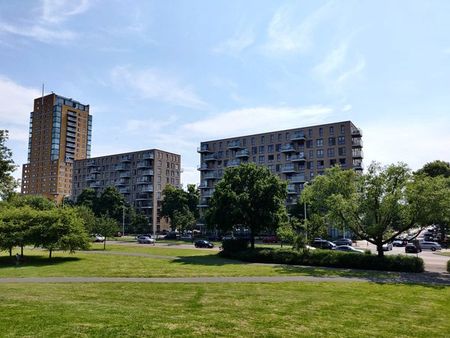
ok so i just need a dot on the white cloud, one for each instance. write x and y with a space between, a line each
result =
236 44
256 120
338 68
286 34
150 125
39 33
346 108
17 103
56 11
153 84
414 142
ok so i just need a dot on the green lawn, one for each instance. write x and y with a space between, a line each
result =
172 263
224 310
443 253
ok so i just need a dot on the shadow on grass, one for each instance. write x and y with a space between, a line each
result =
35 261
209 260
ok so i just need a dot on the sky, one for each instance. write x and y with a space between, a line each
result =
170 74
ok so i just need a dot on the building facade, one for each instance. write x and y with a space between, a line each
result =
295 155
139 176
60 132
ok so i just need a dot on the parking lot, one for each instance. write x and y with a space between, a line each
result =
433 261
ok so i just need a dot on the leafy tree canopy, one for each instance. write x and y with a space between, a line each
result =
180 206
250 196
7 167
435 168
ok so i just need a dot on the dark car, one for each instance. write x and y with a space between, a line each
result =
343 241
171 235
270 239
412 248
203 244
323 244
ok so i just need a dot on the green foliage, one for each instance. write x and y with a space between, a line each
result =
139 223
110 203
105 226
180 206
7 167
35 202
249 196
286 233
88 198
329 258
379 205
16 227
435 168
87 216
234 245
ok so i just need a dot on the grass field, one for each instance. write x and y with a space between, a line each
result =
224 310
169 262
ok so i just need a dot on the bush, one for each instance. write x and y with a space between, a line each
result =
235 244
328 258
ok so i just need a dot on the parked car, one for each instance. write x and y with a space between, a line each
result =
433 246
171 235
348 248
412 248
203 244
399 242
387 246
145 240
98 238
323 244
343 241
270 239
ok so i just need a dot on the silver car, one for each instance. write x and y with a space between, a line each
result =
145 240
426 245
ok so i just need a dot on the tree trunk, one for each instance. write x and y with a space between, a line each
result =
10 252
380 250
104 244
21 250
252 240
50 254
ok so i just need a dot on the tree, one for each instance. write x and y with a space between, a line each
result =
87 216
105 226
7 167
35 202
435 168
88 198
377 206
59 229
180 206
250 196
110 203
15 227
139 223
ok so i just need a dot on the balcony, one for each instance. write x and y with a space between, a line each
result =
244 153
210 176
298 158
297 179
210 157
143 180
357 143
96 184
358 166
125 174
94 170
124 190
233 163
357 153
91 163
91 178
204 167
287 148
143 164
204 149
203 203
147 172
288 168
122 181
125 158
236 144
146 188
143 197
298 136
291 190
204 185
147 156
356 132
122 166
208 193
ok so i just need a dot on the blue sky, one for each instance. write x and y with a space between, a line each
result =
169 74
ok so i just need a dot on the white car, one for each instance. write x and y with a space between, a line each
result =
98 238
145 240
426 245
387 246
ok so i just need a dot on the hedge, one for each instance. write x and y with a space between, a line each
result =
329 258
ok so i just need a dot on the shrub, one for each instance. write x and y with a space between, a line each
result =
234 245
328 258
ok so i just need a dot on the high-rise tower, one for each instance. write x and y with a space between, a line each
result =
60 132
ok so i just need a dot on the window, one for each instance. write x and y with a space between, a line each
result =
279 137
253 141
278 157
244 142
310 132
341 140
271 138
309 143
254 150
311 153
278 147
332 162
321 132
342 162
270 158
310 165
331 141
262 139
270 148
220 145
330 152
319 142
320 164
342 129
261 159
261 149
319 153
331 130
341 151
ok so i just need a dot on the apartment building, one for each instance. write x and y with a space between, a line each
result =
295 155
139 176
60 132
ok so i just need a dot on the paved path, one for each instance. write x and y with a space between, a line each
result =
408 278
